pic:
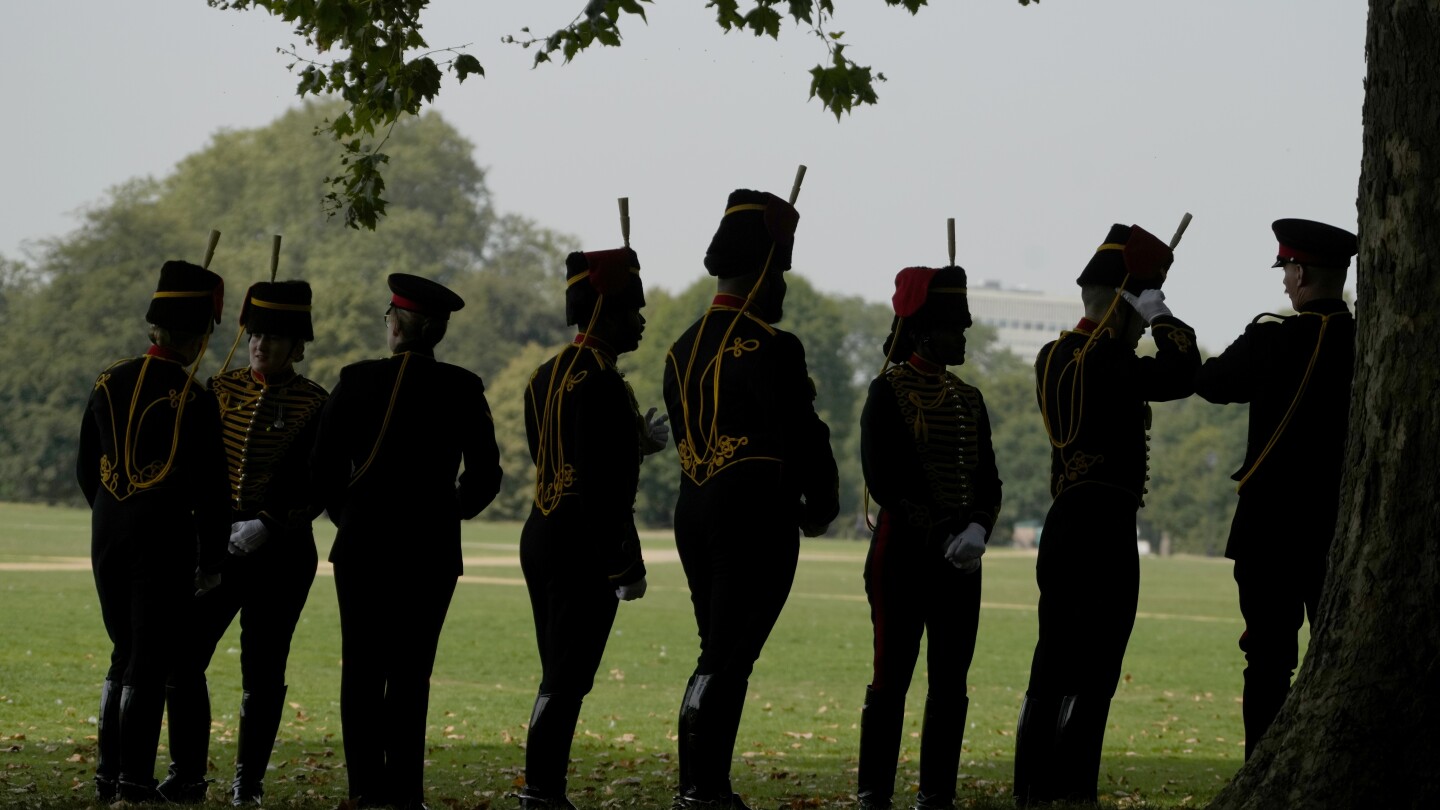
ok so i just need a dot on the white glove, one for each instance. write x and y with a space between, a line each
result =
657 433
965 549
247 535
631 592
205 583
1149 303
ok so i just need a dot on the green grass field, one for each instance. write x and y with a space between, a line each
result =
1175 734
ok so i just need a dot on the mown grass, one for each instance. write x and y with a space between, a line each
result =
1175 730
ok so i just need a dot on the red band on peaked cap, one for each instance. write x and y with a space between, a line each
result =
405 303
1289 254
912 286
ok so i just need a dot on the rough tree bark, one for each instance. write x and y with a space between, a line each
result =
1362 726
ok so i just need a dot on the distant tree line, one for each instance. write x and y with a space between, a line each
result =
78 302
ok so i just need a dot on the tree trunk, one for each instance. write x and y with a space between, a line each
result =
1362 725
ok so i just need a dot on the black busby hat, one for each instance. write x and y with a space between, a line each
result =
1131 255
188 298
925 296
1305 241
278 308
755 222
614 274
422 295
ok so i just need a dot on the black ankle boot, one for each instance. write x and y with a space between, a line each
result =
260 714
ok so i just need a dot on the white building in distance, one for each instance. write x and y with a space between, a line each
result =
1024 320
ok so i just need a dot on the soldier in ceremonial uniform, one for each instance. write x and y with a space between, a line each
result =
927 458
1295 371
152 467
757 471
270 414
1093 392
392 439
579 549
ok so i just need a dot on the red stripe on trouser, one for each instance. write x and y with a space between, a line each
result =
877 597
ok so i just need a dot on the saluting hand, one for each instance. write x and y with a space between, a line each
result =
965 549
631 592
1149 303
656 434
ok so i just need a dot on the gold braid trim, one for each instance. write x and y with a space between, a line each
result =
1294 403
385 424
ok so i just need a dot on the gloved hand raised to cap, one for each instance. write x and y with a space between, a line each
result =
965 549
1149 303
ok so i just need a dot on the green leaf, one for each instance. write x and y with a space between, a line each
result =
465 65
764 20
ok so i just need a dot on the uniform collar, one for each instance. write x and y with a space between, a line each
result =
591 342
165 354
924 366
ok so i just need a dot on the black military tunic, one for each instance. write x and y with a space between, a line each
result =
269 429
391 441
579 542
928 462
152 468
756 465
1296 373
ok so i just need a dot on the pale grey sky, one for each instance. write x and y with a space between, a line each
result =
1035 127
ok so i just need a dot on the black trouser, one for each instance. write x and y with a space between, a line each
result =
574 605
390 622
267 589
1276 595
739 553
913 592
141 610
1088 571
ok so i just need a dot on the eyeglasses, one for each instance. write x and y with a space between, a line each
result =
388 310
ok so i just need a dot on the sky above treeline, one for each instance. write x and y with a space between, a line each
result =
1034 127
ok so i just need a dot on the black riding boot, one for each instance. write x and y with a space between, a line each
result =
1080 734
940 739
547 752
709 722
1035 750
107 743
1263 698
141 709
188 706
260 714
881 723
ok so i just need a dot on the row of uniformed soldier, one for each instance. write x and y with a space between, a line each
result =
155 447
